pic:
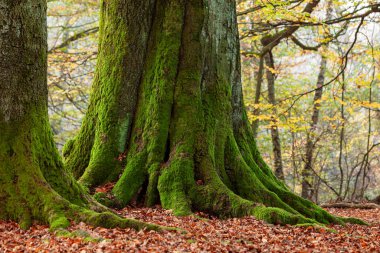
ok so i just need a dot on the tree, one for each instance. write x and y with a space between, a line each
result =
166 113
307 189
276 142
344 32
34 186
307 172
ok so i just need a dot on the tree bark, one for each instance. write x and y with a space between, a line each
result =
377 200
34 186
307 172
308 190
188 144
276 142
259 79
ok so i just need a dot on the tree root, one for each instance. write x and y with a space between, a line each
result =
58 218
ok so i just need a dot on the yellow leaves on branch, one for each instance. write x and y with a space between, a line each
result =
367 104
272 70
293 124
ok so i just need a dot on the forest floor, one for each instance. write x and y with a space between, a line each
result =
204 235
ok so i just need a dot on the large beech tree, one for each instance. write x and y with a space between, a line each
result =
34 186
166 119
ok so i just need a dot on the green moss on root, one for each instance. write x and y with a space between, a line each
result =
150 131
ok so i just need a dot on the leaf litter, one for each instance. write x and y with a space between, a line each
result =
204 234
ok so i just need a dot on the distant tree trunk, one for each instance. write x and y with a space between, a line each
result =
377 200
342 140
34 186
307 173
276 142
167 113
359 189
294 163
269 42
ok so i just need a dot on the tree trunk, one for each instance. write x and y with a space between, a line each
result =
34 186
259 79
167 113
276 142
377 200
307 172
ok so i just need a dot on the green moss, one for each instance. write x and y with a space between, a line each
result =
353 220
32 172
150 131
35 186
77 151
279 216
59 222
174 183
111 220
92 239
26 220
152 196
217 199
103 199
125 126
77 234
131 180
68 147
60 232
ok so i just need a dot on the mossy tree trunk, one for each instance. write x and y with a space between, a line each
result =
34 186
167 116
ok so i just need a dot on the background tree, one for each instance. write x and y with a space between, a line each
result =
72 50
348 36
308 191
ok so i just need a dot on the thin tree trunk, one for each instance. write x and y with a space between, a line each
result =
276 142
293 157
259 79
307 172
365 163
369 135
342 137
310 141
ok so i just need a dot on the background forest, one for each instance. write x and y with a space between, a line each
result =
311 87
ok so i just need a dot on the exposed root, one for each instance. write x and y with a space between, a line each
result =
60 212
174 184
353 220
111 220
279 216
252 192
